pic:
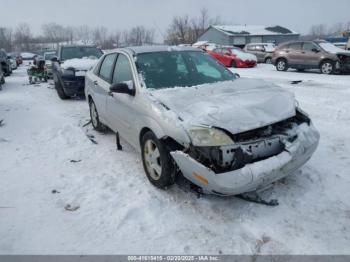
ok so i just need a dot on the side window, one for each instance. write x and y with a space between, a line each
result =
260 48
107 66
98 67
308 46
122 70
251 48
295 46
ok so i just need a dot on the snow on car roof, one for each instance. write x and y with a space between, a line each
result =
253 30
156 48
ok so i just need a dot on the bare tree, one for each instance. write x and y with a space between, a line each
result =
6 38
179 30
23 36
100 36
318 31
83 33
184 30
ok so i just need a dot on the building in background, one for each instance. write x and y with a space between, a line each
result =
240 35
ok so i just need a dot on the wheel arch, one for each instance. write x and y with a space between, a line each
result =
324 60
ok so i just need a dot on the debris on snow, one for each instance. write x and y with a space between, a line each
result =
296 82
75 161
68 207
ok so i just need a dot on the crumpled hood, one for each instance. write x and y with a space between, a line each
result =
80 64
237 106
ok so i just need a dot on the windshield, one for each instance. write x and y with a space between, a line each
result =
180 69
49 56
328 47
80 52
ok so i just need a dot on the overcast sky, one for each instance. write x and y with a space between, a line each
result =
297 15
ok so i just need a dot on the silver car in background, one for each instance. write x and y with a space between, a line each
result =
48 56
263 51
185 112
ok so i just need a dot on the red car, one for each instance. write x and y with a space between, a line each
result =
233 57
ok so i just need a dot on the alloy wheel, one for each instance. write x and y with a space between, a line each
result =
152 159
281 65
327 68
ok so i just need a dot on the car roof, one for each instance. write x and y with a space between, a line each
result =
64 46
157 48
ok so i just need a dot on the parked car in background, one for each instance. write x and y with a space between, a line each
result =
262 51
13 62
2 78
303 55
185 111
26 56
5 63
48 56
233 57
70 66
19 59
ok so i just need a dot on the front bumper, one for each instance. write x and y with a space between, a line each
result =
252 176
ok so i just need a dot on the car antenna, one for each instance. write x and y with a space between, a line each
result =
117 141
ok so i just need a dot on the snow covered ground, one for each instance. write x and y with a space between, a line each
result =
47 162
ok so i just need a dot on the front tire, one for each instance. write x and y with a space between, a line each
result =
327 67
95 119
281 64
60 91
157 162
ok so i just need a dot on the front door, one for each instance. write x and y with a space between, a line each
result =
121 107
311 55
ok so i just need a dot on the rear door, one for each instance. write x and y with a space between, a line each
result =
100 81
226 56
260 53
294 53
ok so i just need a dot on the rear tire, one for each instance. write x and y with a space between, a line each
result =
95 119
327 67
157 162
60 91
281 64
268 60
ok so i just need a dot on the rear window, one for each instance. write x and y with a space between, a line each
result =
80 52
295 46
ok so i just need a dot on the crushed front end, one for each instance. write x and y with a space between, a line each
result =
255 159
343 65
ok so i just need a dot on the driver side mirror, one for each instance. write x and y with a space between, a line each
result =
315 50
123 88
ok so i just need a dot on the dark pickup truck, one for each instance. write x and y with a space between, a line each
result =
70 66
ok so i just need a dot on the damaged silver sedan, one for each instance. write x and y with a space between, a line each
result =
185 112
